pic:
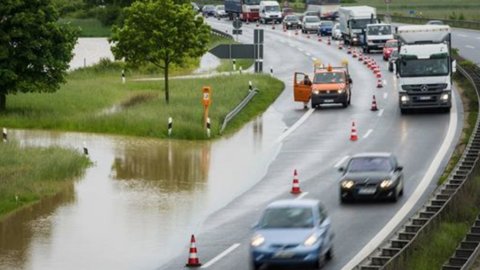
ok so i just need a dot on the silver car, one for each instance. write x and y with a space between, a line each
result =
310 24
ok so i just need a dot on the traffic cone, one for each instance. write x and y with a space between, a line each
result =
369 64
360 57
319 39
340 46
192 256
353 133
374 104
366 60
379 75
349 51
379 83
295 184
354 54
328 41
273 25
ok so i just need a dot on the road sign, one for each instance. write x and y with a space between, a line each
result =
237 31
226 51
237 24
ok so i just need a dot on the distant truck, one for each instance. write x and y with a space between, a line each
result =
245 10
376 35
326 9
353 23
424 67
270 12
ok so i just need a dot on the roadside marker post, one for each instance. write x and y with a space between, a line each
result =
4 135
85 149
123 76
208 127
170 126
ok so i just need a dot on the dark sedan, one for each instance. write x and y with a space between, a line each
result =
372 176
292 22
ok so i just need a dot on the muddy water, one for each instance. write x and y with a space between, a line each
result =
137 205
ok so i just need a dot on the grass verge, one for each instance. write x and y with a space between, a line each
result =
92 98
29 174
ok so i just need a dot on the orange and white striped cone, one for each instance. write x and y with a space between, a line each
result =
366 60
295 184
379 83
273 25
353 133
349 51
340 46
354 55
374 104
328 41
379 74
193 260
360 57
319 39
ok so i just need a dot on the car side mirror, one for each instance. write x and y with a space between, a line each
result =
399 168
350 80
454 66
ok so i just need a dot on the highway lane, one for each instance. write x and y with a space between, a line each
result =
468 43
316 147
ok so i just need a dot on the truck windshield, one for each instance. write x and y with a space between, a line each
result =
329 77
359 24
272 8
423 67
377 30
251 2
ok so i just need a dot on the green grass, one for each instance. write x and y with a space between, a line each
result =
227 64
80 105
88 27
33 173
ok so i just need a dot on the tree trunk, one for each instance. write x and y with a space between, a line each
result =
3 102
167 98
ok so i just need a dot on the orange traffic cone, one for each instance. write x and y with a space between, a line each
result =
296 32
295 184
319 39
273 25
353 134
374 104
366 60
379 74
192 257
379 83
349 51
360 57
328 41
340 46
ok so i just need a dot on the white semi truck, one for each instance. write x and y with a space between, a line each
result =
353 22
425 67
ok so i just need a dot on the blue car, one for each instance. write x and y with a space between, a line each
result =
325 28
292 232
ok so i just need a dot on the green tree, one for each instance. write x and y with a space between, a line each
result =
34 49
161 33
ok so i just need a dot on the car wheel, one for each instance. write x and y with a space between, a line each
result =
345 104
255 266
395 195
321 261
329 255
344 200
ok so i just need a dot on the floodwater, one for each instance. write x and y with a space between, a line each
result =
136 207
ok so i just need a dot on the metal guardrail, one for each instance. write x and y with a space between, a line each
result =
238 109
422 20
392 252
220 33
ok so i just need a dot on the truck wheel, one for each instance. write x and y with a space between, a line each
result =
390 67
345 104
404 111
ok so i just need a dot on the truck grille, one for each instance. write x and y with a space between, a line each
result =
419 88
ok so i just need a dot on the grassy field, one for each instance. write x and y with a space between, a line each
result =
29 174
97 101
88 27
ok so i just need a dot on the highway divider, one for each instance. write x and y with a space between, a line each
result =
394 252
220 33
251 93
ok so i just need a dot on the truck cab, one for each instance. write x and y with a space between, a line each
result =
330 85
270 12
376 35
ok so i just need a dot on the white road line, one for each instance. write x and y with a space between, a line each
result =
314 59
301 195
380 112
300 49
469 46
340 162
385 95
221 255
308 54
385 82
462 35
368 133
408 206
295 126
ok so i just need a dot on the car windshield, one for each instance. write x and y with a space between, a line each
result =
251 2
291 18
287 217
391 44
377 30
272 8
220 8
312 19
434 66
369 164
329 77
327 23
359 24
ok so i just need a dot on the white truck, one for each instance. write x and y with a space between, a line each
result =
270 12
353 22
376 35
424 67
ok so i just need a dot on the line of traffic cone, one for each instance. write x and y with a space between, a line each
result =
353 133
193 260
295 184
374 105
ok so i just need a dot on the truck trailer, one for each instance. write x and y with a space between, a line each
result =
353 23
245 10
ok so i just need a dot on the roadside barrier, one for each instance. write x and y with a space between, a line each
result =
220 33
193 260
295 184
239 107
393 252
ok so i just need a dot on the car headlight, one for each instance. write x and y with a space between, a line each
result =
355 39
289 23
340 91
445 97
386 183
347 184
257 240
316 92
311 240
404 98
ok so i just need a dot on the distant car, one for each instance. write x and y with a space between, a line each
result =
336 33
325 28
195 7
311 13
371 175
220 12
292 232
310 24
436 22
392 60
390 46
286 11
208 10
291 22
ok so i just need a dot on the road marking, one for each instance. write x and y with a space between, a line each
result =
408 206
385 95
385 82
368 133
340 162
314 59
462 35
380 112
221 255
300 49
308 54
469 46
295 126
301 195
